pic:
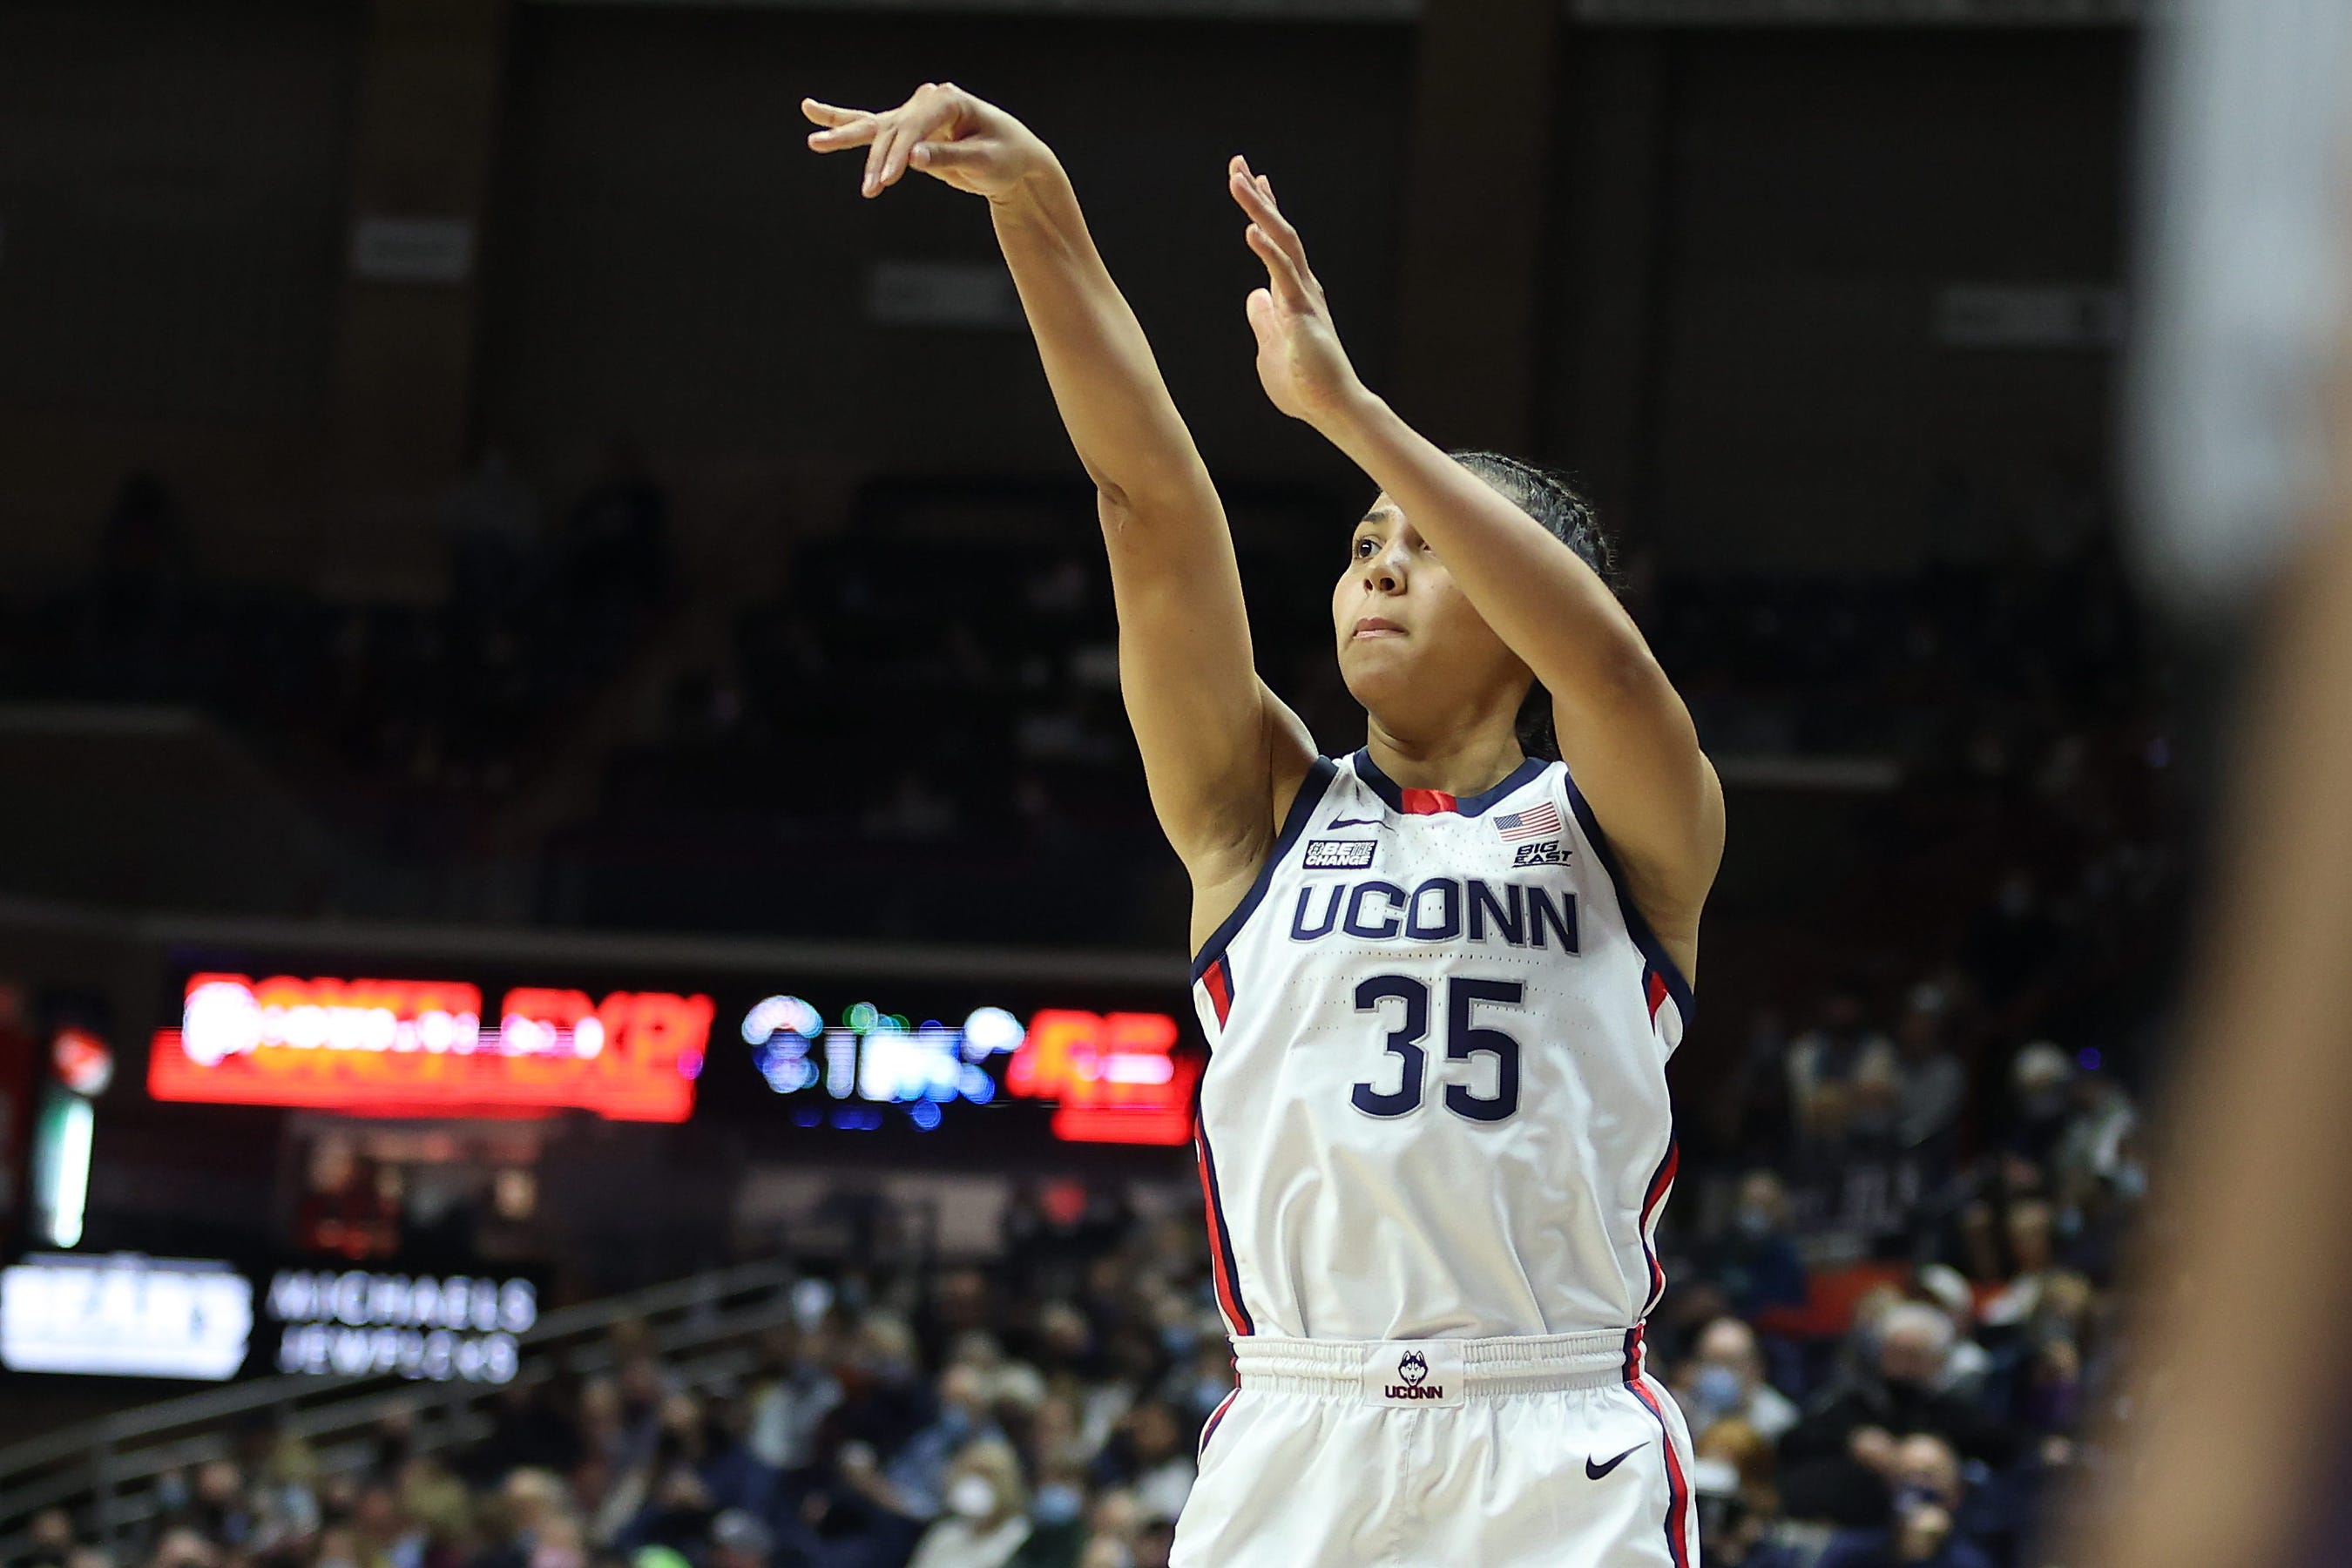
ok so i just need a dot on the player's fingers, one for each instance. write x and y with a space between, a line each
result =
1259 309
844 128
878 157
947 157
1281 272
841 139
1257 196
831 114
902 146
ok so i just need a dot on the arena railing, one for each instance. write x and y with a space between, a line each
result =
104 1471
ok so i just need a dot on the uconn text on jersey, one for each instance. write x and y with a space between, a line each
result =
1441 908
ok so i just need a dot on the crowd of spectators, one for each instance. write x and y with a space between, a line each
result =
1041 1408
936 684
1892 1256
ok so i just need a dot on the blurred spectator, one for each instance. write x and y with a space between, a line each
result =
49 1536
1967 1363
794 1394
1735 1519
738 1540
1926 1512
1725 1379
2098 1133
1841 1462
918 1474
1148 1453
1757 1264
987 1511
1828 1061
2042 1079
1935 1085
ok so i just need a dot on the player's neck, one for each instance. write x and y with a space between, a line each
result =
1464 762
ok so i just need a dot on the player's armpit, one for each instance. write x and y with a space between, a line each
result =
1223 874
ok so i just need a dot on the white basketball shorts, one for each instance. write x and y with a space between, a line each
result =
1555 1451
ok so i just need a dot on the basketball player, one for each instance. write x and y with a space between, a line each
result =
1440 977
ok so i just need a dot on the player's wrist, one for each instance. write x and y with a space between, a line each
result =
1034 183
1351 417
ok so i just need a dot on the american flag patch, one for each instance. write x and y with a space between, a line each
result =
1536 822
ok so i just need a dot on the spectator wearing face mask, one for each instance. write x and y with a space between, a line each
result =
1057 1515
1840 1463
1724 1378
1923 1528
917 1472
987 1520
1757 1264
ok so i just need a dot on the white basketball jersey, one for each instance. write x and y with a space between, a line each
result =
1436 1105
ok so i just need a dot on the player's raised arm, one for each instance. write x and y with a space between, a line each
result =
1220 753
1623 730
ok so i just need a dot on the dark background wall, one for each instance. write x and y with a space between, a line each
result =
172 187
1746 234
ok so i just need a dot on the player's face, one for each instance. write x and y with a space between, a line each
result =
1411 648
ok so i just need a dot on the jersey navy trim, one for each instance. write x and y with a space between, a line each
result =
1636 925
1312 790
1677 1488
1662 1182
1224 1268
1215 1416
1390 791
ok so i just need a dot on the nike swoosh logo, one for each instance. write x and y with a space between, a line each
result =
1595 1472
1351 822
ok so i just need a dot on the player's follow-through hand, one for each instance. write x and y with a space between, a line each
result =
1299 360
942 131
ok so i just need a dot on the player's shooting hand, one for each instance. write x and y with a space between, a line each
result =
943 131
1299 360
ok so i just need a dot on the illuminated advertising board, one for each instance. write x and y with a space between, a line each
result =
952 1066
1110 1078
411 1048
127 1315
355 1322
124 1315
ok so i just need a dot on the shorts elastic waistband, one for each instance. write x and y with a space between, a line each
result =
1441 1371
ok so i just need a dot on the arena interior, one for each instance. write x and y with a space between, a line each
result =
502 547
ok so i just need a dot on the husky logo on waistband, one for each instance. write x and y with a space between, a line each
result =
1339 854
1412 1369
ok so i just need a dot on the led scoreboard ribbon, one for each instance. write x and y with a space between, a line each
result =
433 1047
405 1047
1111 1077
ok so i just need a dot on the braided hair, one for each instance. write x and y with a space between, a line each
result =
1552 500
